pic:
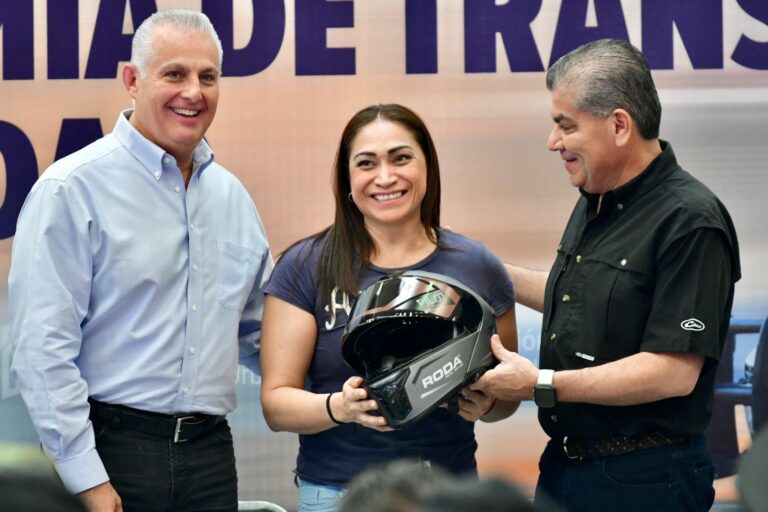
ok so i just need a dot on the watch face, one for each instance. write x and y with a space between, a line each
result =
544 396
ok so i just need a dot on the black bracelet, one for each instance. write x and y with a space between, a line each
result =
328 408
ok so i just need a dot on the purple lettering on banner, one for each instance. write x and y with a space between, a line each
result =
483 19
110 46
313 18
700 25
76 134
17 30
750 53
572 30
63 36
420 36
20 175
265 41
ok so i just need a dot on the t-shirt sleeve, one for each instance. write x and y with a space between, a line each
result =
293 279
498 290
693 286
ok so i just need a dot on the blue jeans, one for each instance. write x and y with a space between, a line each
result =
671 478
152 473
315 497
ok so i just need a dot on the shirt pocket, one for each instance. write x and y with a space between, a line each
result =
236 266
619 300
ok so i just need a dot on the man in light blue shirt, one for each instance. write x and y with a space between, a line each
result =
138 264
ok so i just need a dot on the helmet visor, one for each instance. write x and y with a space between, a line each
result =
402 296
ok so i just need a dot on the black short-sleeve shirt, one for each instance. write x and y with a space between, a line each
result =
653 271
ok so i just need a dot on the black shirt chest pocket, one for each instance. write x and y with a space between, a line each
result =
617 297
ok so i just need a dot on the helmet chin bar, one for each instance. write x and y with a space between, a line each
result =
418 338
407 394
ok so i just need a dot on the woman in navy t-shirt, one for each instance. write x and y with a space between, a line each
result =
387 188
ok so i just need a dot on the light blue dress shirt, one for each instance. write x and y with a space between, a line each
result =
133 289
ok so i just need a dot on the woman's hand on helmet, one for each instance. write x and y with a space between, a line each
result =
474 404
355 406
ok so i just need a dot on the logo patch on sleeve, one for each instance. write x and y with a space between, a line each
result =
692 324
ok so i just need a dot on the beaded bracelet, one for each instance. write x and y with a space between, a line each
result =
328 408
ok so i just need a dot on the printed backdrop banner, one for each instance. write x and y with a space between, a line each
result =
295 71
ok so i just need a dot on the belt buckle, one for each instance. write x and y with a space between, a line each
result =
565 450
177 431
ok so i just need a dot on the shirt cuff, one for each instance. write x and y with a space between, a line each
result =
82 472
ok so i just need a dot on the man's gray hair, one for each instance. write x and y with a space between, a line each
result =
182 19
608 74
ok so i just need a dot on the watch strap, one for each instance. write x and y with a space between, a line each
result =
546 378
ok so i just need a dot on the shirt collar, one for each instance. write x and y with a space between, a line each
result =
657 171
151 156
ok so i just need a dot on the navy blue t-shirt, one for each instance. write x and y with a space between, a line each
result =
336 455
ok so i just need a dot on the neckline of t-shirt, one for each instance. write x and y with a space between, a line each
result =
424 261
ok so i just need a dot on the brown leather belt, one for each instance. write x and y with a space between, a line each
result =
179 428
581 448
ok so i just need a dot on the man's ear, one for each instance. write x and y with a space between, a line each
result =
623 126
130 79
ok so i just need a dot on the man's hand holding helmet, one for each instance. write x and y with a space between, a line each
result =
512 379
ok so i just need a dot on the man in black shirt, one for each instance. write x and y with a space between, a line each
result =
636 306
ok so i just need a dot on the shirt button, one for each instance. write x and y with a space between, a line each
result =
552 338
578 258
192 226
194 267
194 307
620 206
157 175
553 418
186 391
566 297
177 188
192 350
623 262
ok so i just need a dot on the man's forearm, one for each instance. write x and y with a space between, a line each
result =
637 379
529 285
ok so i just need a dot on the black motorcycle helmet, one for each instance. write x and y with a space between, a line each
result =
418 338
